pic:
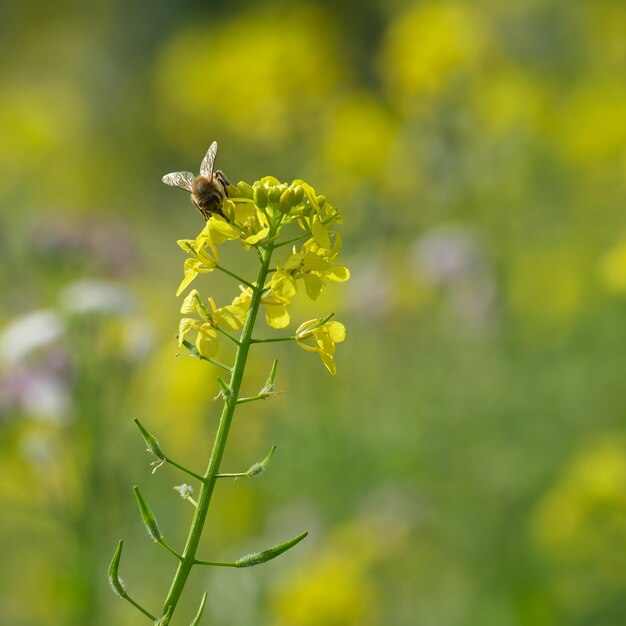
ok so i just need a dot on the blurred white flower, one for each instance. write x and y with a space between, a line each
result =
38 449
370 289
451 258
445 254
96 296
28 333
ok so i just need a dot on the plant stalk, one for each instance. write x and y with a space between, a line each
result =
219 444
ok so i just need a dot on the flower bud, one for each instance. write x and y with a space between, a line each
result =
260 196
245 190
320 201
287 200
298 191
275 193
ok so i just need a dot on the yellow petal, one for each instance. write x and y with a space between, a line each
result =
185 325
207 341
190 269
282 284
313 285
220 230
338 274
320 234
190 303
329 363
258 236
337 331
276 315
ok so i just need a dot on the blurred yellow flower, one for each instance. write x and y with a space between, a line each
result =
258 75
348 151
331 589
430 45
582 519
613 268
590 124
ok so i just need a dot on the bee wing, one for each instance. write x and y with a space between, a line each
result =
206 168
183 180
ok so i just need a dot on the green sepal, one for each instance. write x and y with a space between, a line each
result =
258 468
196 619
151 441
148 517
117 584
192 349
256 558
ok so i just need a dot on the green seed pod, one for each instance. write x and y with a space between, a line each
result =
287 200
148 517
258 468
267 555
151 441
260 196
245 190
117 584
298 191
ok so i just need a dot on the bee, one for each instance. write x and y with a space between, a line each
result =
208 190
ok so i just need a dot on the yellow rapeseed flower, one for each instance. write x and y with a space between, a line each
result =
207 339
313 265
204 257
321 338
233 315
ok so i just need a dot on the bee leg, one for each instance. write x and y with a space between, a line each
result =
223 180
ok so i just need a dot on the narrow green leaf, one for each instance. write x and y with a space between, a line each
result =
196 619
225 390
151 442
148 517
257 558
117 584
269 385
164 620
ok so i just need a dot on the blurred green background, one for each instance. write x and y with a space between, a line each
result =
467 465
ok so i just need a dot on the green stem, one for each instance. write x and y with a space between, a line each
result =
223 332
210 476
243 281
261 396
183 468
139 607
217 563
273 340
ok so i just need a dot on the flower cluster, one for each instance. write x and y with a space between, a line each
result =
256 215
